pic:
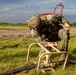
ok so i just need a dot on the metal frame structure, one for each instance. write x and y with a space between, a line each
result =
56 51
58 5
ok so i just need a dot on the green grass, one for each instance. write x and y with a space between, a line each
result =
13 55
73 26
7 25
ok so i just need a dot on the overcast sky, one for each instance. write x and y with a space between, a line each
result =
17 11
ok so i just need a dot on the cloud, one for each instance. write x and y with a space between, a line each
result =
17 8
21 10
5 2
25 2
49 1
16 13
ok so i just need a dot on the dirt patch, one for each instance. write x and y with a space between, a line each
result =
14 32
22 32
72 31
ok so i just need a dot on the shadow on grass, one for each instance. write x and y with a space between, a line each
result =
74 51
9 46
72 57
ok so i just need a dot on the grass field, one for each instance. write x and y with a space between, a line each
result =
8 25
13 55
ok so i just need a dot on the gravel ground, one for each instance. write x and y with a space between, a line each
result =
23 32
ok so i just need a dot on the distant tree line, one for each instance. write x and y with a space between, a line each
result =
12 24
25 24
74 23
